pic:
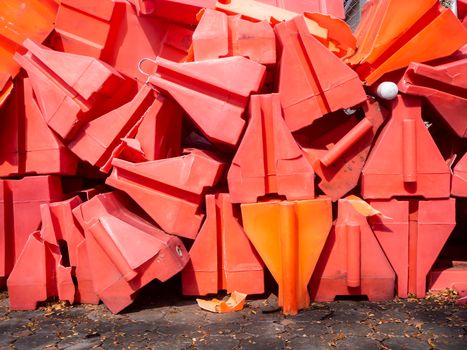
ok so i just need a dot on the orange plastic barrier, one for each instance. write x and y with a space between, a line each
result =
235 267
42 271
312 81
338 145
214 93
405 160
20 20
444 86
424 30
268 160
352 262
218 35
85 27
453 276
412 235
28 145
289 237
169 190
71 89
20 202
124 250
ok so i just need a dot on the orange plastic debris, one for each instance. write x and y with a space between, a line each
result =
235 302
218 35
69 88
289 237
169 190
352 262
412 237
424 30
268 160
236 265
180 11
20 20
214 93
405 160
28 146
125 251
312 81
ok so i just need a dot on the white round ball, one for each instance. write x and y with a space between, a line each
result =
387 90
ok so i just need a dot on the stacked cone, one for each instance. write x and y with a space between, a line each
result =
142 139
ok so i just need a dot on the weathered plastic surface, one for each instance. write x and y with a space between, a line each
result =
412 236
424 30
159 134
236 265
39 274
289 237
99 141
328 7
20 202
405 160
268 160
338 145
459 178
312 81
125 251
180 11
85 27
19 20
154 37
352 261
444 86
218 35
214 93
169 190
27 145
453 276
42 271
69 87
334 33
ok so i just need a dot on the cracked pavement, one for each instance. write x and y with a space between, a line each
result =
161 320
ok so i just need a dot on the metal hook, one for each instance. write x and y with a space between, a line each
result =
140 69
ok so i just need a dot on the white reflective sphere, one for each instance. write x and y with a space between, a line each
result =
387 90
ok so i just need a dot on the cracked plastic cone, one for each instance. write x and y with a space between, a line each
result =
268 160
235 267
289 237
312 81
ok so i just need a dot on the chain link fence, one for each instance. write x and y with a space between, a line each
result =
353 10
